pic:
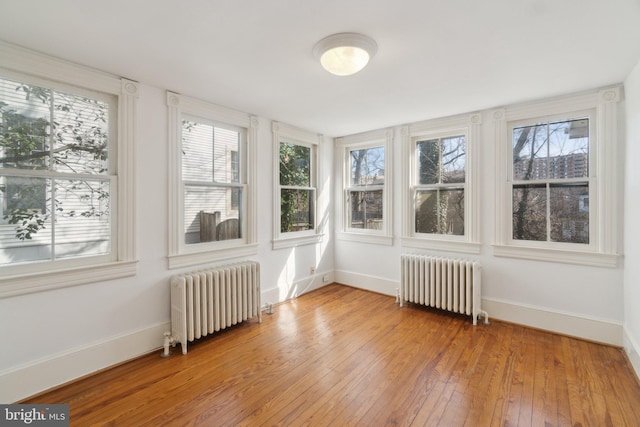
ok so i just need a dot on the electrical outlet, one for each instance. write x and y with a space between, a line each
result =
312 270
325 278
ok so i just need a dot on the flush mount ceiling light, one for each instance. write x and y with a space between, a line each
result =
344 54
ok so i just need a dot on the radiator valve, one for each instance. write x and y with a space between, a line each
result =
168 340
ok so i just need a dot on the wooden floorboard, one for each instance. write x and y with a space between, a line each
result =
341 356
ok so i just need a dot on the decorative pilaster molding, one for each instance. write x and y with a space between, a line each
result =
475 119
608 182
500 140
175 199
408 169
127 183
173 99
252 180
129 87
472 185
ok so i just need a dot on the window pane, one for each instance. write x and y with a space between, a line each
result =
197 151
295 161
440 211
569 149
80 134
530 212
210 214
83 218
297 210
428 161
25 233
530 152
367 166
453 159
570 213
210 154
25 117
80 130
366 209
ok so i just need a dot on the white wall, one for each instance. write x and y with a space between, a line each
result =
632 227
571 299
52 337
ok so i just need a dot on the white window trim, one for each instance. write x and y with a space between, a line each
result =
47 276
603 249
180 254
468 125
287 133
344 145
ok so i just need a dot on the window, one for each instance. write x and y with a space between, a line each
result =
439 191
441 201
210 182
550 181
366 204
557 195
213 197
60 149
55 174
296 189
365 192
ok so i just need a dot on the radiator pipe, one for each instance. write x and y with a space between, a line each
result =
168 340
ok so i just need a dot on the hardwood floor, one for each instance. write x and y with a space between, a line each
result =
342 356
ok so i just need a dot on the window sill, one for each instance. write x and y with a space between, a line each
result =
442 245
292 242
208 256
48 280
594 259
370 238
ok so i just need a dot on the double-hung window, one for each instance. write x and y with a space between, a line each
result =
65 159
366 178
441 202
296 191
550 181
213 197
557 187
440 185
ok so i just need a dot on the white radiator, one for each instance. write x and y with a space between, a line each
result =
204 302
449 284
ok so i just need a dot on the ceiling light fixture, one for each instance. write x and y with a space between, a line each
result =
344 54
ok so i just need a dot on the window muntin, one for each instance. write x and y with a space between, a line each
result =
365 190
297 187
213 182
56 175
440 185
550 183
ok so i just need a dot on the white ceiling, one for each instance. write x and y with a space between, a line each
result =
435 57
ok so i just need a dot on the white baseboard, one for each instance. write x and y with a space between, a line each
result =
367 282
632 349
285 292
35 377
598 330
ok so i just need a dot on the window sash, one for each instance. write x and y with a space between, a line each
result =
430 218
524 228
209 216
289 225
369 218
78 116
366 208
